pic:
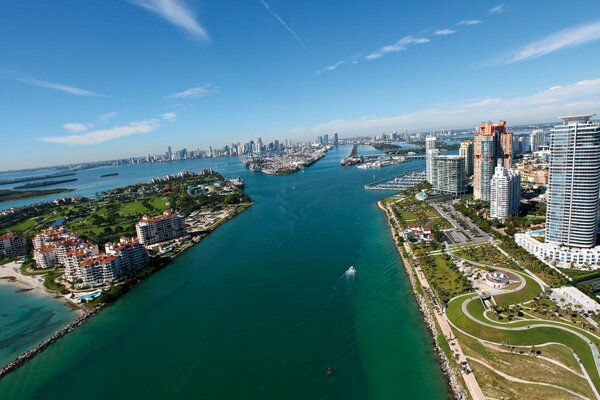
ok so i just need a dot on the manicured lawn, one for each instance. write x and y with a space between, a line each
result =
532 289
528 337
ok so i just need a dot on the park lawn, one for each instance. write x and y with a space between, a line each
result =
407 215
446 280
532 289
528 337
527 367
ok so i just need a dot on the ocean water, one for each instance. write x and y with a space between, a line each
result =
27 319
259 309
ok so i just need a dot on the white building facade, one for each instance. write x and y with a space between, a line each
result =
505 193
449 174
152 230
574 182
429 153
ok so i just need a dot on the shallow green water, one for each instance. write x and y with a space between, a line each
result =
260 309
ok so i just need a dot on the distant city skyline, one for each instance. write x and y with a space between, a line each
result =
93 81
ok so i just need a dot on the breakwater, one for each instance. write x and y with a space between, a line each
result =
29 354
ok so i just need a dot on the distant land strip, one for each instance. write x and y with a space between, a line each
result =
34 178
10 195
43 183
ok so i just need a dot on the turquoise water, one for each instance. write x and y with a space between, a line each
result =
261 308
26 320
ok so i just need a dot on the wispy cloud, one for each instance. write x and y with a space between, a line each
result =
444 32
284 24
78 127
48 85
75 127
105 135
330 68
170 116
499 9
470 22
578 97
566 38
400 45
195 92
177 13
106 117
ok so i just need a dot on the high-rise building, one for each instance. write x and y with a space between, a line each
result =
169 153
505 192
492 142
573 182
537 139
429 153
449 174
466 152
335 139
325 139
152 230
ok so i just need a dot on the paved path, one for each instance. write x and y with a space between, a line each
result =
511 378
534 325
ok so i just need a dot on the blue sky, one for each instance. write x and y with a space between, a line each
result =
102 79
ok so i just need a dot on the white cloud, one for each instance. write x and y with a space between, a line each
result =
470 22
284 24
332 67
195 92
170 116
75 127
547 105
499 9
106 117
400 45
55 86
444 32
105 135
177 13
566 38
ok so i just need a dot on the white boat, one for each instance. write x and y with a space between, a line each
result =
351 271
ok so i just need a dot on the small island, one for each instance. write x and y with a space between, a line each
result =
10 195
286 162
44 184
111 174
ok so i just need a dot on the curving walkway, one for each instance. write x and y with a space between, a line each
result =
511 378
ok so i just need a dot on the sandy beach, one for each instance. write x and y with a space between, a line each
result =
29 283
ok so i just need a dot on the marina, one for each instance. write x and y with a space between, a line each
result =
400 183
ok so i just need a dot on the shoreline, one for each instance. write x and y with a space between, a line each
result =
454 389
10 275
34 284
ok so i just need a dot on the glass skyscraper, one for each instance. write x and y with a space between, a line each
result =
573 182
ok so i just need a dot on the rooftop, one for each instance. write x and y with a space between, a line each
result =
577 119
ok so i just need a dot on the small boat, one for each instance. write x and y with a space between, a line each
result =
351 271
329 371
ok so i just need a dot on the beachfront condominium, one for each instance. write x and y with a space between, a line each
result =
161 228
505 193
537 139
449 174
131 255
466 151
492 142
12 245
429 153
573 182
